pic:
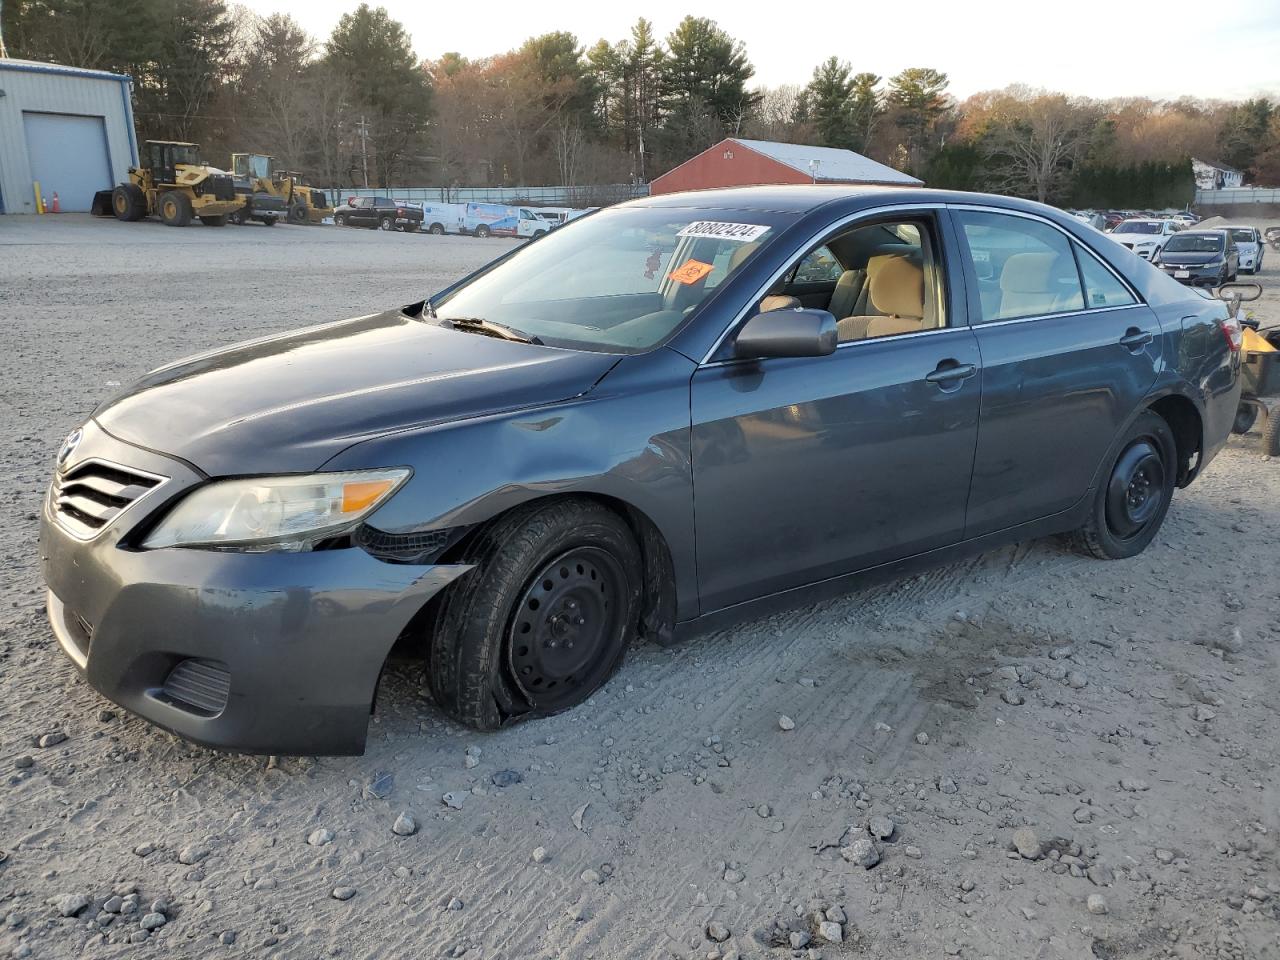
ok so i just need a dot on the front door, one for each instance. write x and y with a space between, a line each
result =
1068 353
808 468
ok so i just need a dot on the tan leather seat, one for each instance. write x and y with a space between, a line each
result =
778 301
1030 285
896 287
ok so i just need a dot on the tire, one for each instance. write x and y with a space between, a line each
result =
492 657
411 228
437 228
269 221
219 221
1246 416
1131 503
128 202
175 208
236 216
1271 435
482 231
298 213
339 220
386 223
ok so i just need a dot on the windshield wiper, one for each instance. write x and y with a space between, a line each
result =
492 328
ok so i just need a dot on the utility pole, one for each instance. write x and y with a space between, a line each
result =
363 127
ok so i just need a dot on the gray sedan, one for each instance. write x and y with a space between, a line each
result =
661 417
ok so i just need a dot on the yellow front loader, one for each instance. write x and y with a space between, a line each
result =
174 183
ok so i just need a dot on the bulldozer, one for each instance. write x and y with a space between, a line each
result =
301 204
173 182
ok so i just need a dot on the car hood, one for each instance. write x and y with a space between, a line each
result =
1188 259
289 403
1136 239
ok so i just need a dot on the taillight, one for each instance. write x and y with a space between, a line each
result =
1231 330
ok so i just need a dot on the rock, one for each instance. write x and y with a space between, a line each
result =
1096 904
881 827
140 936
405 825
318 838
113 904
836 915
799 939
1082 815
1077 680
591 876
454 799
717 931
540 855
863 851
105 715
1026 843
1013 698
51 739
153 921
913 852
470 762
69 904
454 904
1203 714
1133 784
192 853
1061 653
145 849
922 738
227 937
343 893
380 785
831 931
24 763
948 786
506 778
1165 856
578 815
1007 672
786 723
764 811
1258 893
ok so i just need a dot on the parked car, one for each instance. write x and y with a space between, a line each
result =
502 477
1249 242
1186 218
383 213
1144 237
500 220
1201 257
441 218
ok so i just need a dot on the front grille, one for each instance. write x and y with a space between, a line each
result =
201 686
92 494
222 186
318 199
420 547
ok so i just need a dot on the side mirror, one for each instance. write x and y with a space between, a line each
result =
787 333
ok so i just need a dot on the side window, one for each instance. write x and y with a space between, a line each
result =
1101 287
1025 268
820 266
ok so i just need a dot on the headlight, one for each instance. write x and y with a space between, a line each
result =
274 513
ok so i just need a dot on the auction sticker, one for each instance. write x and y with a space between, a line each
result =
719 230
691 271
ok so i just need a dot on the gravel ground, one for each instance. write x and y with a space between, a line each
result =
1049 756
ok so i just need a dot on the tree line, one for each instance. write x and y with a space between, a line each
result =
359 105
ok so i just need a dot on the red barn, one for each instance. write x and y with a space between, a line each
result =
745 163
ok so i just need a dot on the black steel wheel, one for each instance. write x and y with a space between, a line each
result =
562 635
1130 505
544 619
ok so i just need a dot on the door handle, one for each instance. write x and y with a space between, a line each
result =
1135 339
949 372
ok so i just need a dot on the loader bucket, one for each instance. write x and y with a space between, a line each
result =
102 204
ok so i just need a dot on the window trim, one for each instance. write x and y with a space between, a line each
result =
1076 248
1071 238
938 211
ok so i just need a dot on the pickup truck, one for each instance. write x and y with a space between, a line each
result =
380 212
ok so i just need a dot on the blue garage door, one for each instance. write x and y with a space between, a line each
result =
68 156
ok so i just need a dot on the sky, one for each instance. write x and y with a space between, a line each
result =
1097 48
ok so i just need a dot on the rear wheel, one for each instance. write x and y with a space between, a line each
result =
236 216
269 221
298 213
218 221
545 619
128 202
482 231
1131 504
175 208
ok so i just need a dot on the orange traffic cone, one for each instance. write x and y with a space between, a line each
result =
56 207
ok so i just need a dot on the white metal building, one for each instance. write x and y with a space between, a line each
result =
68 129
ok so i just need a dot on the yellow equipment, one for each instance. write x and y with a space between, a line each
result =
172 181
301 203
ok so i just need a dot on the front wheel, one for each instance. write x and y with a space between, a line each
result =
1131 504
386 223
437 228
175 208
543 621
339 220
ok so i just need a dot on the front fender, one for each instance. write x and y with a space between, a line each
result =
626 439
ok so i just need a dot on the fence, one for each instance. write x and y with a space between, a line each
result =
594 195
1238 195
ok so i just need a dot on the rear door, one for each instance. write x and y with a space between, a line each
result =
1068 353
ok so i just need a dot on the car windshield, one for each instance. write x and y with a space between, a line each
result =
619 281
1242 236
1193 243
1138 226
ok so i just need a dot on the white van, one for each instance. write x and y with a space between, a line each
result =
499 220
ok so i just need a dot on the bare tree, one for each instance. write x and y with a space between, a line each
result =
1033 153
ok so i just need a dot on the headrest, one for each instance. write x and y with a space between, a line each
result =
897 286
744 250
1030 273
778 301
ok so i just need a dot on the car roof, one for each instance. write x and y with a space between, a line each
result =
1207 231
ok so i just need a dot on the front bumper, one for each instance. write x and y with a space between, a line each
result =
1195 274
259 653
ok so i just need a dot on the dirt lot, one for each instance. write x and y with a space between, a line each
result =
1124 712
